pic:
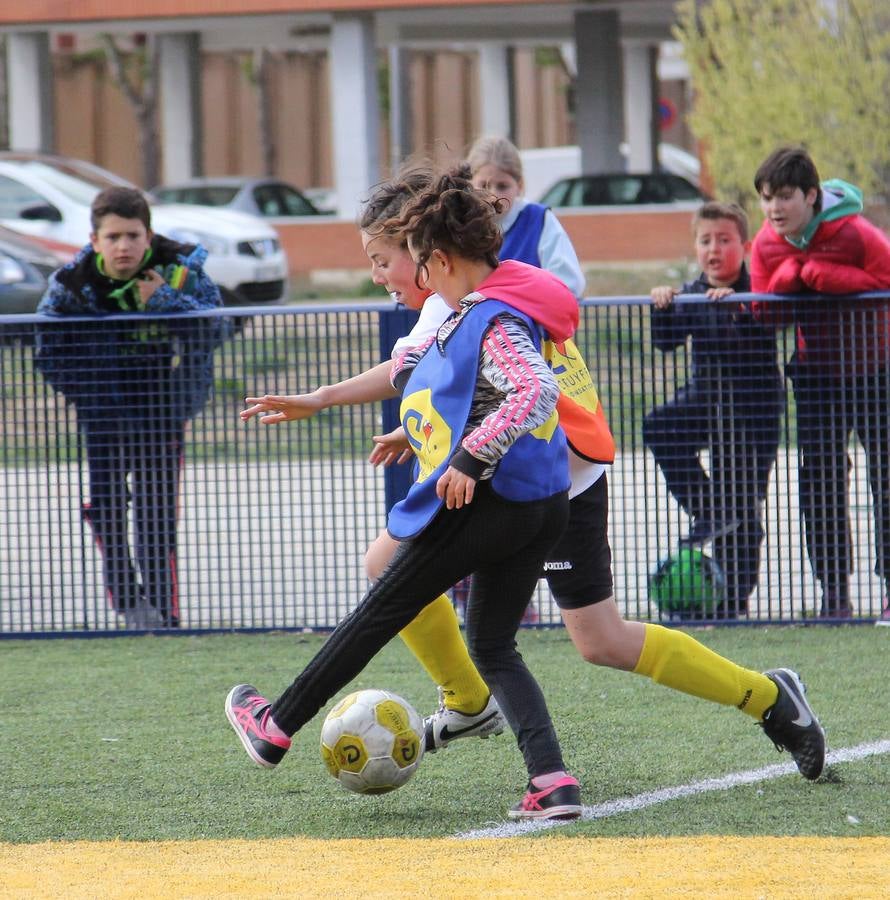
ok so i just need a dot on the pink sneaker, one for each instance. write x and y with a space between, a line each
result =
884 618
248 713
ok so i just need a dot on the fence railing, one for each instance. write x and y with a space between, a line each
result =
127 477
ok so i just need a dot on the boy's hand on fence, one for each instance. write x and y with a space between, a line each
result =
663 296
390 448
282 408
455 488
719 293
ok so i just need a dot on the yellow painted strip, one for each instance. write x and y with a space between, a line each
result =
554 866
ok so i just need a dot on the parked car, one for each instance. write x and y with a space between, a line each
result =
542 166
50 196
622 189
25 266
265 197
324 199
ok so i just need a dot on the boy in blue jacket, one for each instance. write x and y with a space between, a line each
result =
730 406
134 385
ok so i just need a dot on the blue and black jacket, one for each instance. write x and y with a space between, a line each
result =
160 370
729 346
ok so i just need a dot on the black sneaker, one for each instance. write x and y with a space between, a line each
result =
704 530
791 724
248 713
559 801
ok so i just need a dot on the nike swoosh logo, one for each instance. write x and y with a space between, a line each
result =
804 719
447 734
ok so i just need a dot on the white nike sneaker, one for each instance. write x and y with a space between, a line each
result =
447 725
791 724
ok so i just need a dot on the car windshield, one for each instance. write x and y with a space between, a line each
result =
206 195
76 184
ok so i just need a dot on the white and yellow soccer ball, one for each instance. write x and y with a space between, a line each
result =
372 741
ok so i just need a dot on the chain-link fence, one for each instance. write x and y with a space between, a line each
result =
129 482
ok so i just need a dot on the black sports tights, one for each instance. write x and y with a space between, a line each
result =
504 545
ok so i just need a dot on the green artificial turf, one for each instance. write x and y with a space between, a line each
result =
127 738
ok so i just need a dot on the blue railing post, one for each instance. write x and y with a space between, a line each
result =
394 323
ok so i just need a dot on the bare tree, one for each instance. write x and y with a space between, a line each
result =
140 87
4 96
259 72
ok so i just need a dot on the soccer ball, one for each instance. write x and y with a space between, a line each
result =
372 742
688 585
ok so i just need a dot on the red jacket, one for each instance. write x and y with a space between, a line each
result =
848 255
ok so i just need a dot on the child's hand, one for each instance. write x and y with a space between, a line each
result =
786 279
455 488
282 408
719 293
147 283
390 448
663 296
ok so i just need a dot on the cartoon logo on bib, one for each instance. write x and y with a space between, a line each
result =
571 373
428 433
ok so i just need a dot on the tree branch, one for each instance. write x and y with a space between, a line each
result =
116 65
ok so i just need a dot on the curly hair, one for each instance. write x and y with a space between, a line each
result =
385 203
452 215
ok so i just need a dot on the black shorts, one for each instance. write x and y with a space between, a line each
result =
579 567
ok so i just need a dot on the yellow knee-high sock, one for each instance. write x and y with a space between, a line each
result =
434 638
678 661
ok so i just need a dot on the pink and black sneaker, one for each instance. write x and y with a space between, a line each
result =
561 800
248 713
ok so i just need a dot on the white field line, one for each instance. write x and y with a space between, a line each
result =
664 795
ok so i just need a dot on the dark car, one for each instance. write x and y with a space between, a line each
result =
265 197
622 189
25 266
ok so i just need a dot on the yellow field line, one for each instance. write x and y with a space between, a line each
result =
552 866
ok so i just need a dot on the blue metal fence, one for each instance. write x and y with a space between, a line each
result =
225 524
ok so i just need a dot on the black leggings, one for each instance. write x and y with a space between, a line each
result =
504 546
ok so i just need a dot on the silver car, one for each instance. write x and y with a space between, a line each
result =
265 197
25 266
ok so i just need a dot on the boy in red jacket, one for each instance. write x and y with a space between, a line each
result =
814 240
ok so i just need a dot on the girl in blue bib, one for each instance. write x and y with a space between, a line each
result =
479 408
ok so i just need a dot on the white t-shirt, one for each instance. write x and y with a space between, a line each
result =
432 314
